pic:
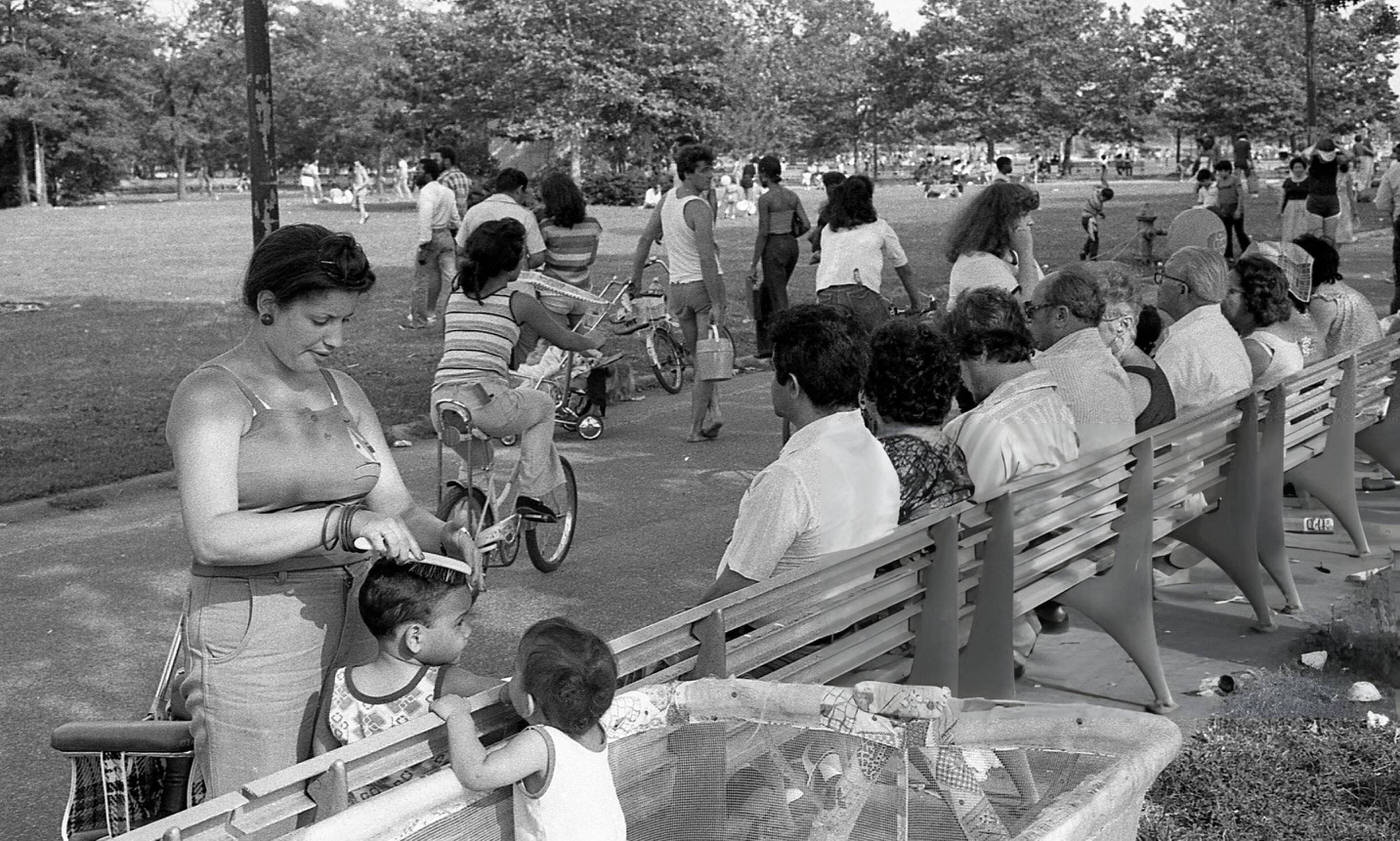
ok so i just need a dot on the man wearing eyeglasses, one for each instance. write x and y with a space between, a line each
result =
1063 315
1202 356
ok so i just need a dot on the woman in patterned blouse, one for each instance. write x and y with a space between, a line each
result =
909 387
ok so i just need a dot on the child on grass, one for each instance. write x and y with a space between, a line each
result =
564 681
418 613
1091 214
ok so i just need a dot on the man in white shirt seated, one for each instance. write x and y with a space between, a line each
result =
1202 355
1021 425
832 486
1064 314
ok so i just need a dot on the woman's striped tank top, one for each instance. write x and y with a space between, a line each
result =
478 338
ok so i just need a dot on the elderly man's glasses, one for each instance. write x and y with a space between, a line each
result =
1161 276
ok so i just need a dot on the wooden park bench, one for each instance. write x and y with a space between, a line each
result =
934 602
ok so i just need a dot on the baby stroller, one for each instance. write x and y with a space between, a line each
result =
577 382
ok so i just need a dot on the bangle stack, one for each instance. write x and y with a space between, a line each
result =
342 535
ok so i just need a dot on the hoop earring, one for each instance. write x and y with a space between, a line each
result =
266 319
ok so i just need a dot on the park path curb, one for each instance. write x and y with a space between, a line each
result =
81 499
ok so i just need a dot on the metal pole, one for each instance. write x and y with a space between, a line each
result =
262 150
1309 48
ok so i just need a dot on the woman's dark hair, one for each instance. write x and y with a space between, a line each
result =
1265 289
990 321
1149 329
913 372
985 224
771 168
852 204
395 593
826 349
1327 262
571 673
493 248
430 167
301 260
1295 160
564 204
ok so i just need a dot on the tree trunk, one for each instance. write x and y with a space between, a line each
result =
41 182
23 161
1309 59
991 150
574 139
181 158
1066 148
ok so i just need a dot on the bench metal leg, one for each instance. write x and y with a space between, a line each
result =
1381 440
1229 534
1273 553
1331 476
1120 600
986 666
936 635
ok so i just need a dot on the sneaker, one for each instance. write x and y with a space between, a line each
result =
535 511
412 325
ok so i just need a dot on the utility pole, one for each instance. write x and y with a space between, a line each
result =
262 150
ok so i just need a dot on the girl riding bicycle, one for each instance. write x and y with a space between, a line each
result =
481 327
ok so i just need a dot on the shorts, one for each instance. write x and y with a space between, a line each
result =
688 300
308 181
1324 206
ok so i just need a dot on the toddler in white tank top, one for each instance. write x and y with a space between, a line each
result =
565 678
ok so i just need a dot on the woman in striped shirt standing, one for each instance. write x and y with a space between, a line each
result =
481 327
570 242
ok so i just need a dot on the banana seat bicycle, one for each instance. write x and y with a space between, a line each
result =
485 506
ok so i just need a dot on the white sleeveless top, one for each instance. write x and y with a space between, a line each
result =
578 801
682 255
1285 358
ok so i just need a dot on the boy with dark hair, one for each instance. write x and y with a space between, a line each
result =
418 613
1003 169
1229 206
1091 214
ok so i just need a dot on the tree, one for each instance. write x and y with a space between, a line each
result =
71 75
600 71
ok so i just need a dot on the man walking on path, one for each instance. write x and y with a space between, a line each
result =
696 296
1365 155
437 254
454 179
507 202
1388 200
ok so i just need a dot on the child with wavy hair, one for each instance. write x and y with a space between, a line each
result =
565 678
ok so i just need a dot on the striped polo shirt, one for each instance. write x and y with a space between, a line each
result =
568 252
477 339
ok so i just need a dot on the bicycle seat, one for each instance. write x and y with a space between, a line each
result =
455 422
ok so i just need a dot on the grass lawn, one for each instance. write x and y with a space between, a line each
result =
141 292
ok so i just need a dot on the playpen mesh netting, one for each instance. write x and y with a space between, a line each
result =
749 760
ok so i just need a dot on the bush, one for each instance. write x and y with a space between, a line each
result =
620 189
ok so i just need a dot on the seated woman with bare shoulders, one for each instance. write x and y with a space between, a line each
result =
909 386
284 477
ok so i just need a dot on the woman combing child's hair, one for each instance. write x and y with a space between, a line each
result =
565 679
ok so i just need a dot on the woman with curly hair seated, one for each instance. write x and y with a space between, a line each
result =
909 386
1256 305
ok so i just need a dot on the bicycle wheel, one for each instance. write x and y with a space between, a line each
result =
548 543
667 359
464 505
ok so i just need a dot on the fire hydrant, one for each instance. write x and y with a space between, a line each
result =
1147 232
